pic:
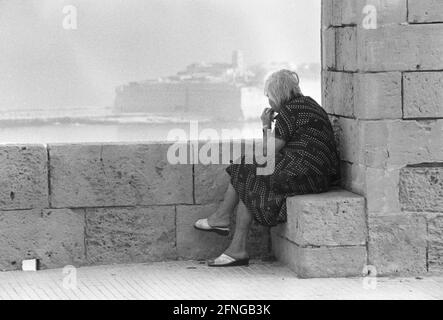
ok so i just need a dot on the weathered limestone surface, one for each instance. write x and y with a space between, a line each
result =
338 93
435 227
117 175
423 94
335 218
328 49
346 49
380 187
346 12
399 48
421 189
326 13
383 89
130 235
23 177
320 262
412 142
211 183
367 96
53 236
425 11
378 95
397 244
389 143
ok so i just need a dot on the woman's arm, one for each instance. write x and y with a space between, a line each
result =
267 119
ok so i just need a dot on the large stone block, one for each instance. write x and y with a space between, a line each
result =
400 48
351 12
328 48
412 142
326 13
23 177
334 218
363 142
54 237
423 94
435 255
117 175
421 188
367 96
380 186
130 235
322 262
378 95
338 93
346 49
397 244
425 11
389 144
347 137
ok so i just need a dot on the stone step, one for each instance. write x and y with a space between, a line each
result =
325 235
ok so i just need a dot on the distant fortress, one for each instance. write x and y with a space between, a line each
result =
218 91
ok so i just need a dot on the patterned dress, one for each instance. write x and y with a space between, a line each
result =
308 163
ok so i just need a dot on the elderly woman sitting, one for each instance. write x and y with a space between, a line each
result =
306 161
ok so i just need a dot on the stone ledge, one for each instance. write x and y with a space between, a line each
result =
322 262
117 175
334 218
325 235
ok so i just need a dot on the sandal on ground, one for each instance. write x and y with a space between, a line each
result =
227 261
203 225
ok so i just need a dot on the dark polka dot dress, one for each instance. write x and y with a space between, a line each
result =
309 163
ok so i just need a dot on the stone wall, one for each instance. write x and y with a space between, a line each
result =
383 87
102 204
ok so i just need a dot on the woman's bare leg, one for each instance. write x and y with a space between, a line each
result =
237 248
222 217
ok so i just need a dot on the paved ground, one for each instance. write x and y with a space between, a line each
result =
193 280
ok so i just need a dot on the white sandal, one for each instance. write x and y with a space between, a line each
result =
203 225
227 261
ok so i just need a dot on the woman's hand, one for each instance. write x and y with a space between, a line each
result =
267 117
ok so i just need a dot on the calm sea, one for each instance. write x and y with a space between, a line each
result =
103 126
73 133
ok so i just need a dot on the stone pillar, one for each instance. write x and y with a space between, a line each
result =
383 88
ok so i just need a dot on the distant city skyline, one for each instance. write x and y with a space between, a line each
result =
117 42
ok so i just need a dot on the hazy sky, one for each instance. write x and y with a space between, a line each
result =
44 65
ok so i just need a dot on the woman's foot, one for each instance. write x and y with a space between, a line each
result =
237 254
219 220
228 261
203 225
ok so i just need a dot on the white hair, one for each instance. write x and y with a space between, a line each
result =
282 86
